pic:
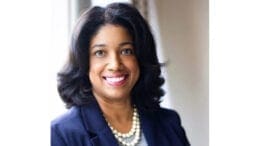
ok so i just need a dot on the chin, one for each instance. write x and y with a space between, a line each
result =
121 96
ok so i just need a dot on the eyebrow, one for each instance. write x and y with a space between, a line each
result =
104 45
126 43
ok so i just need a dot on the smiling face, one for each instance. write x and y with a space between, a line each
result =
113 68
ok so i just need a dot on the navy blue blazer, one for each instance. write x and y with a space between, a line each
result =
86 126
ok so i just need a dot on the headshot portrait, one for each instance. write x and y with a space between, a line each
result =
132 75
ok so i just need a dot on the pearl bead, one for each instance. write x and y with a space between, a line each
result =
134 131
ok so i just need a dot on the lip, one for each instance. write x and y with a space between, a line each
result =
116 80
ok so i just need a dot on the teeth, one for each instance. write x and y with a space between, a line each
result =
115 79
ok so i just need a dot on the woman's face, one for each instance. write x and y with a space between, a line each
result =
113 68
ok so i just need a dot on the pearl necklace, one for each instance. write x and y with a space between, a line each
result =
135 131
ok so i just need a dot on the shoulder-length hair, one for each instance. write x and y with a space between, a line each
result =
74 85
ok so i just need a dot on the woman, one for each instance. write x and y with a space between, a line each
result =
112 85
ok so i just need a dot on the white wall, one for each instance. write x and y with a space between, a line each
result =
58 54
182 35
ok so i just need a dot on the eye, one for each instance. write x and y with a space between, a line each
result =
99 53
127 51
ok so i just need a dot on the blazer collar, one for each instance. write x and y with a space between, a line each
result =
96 126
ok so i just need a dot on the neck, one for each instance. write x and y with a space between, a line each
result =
116 110
117 113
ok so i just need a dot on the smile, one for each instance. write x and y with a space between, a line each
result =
116 80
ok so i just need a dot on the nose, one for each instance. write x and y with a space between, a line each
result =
115 63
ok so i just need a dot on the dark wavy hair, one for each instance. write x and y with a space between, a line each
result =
74 85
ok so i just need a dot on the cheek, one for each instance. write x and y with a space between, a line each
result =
95 69
135 69
137 73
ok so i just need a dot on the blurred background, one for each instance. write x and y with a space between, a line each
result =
181 31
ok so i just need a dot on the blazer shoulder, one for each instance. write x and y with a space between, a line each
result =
169 115
68 123
68 129
171 121
68 118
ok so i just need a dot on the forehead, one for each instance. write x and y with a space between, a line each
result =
110 33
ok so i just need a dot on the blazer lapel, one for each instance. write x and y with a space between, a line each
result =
104 138
148 127
96 126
